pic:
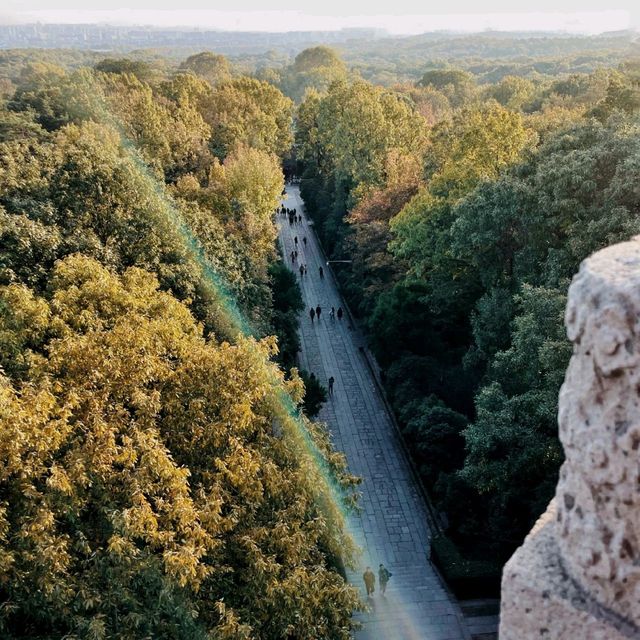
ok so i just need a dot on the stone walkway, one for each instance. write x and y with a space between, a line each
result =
393 527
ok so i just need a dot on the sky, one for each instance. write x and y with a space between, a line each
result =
396 16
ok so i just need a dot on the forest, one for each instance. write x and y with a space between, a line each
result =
161 474
466 207
156 472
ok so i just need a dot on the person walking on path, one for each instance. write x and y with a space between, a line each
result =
304 240
301 271
293 257
383 577
305 269
295 240
331 381
369 581
321 272
296 254
332 314
300 219
318 312
312 314
339 313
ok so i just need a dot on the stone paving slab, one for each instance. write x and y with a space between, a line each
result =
393 527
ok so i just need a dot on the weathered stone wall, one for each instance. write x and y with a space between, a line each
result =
577 574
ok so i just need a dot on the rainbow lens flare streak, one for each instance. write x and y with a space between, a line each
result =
329 493
334 501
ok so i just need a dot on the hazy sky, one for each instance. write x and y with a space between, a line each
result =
397 16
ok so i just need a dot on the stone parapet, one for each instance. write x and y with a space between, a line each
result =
577 575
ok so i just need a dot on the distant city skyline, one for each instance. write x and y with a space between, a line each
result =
284 15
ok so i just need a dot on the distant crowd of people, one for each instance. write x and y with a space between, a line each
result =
292 214
315 313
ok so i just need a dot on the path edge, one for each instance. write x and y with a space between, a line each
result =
371 362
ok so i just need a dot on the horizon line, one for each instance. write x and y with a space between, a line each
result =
265 21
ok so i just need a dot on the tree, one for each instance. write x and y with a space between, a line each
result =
457 85
513 453
429 102
141 469
313 69
477 144
137 68
287 304
157 478
250 112
374 268
512 92
315 394
212 67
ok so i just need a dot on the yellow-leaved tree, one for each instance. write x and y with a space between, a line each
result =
146 489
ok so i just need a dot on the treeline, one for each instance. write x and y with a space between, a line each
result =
153 475
489 56
466 209
387 61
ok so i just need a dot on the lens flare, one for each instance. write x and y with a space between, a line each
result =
330 495
389 618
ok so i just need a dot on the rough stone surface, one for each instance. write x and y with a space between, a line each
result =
540 599
587 560
392 527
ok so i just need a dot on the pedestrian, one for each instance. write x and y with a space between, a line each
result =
295 240
321 272
339 313
332 314
300 219
318 311
304 240
305 269
293 256
331 381
312 313
369 581
295 253
383 577
301 271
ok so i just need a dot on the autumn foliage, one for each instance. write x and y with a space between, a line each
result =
155 475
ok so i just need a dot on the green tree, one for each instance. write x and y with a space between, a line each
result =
313 69
212 67
512 92
250 112
477 144
513 451
457 85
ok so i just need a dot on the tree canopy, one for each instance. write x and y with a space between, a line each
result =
158 475
466 209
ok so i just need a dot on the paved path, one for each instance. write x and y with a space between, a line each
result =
393 527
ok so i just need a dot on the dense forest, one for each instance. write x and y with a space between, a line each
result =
160 475
466 208
157 478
